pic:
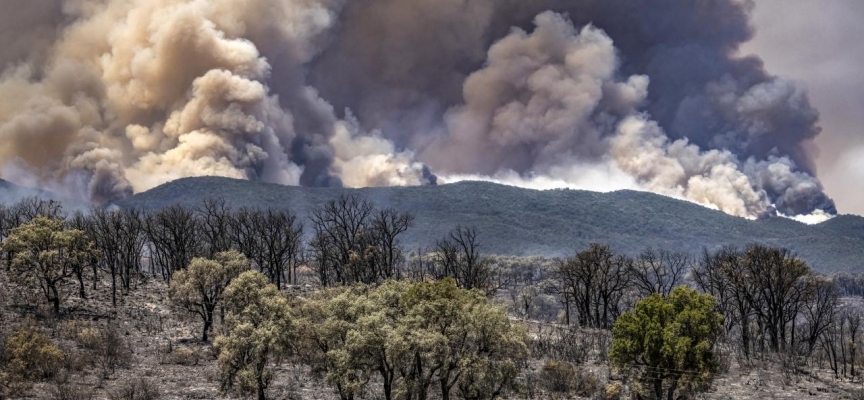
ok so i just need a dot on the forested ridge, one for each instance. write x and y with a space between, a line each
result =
527 222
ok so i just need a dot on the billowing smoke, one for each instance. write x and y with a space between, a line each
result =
132 94
119 96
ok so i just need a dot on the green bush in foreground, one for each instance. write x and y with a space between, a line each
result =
258 331
669 342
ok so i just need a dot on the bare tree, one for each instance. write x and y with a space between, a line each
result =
281 238
215 225
31 208
458 256
822 311
322 257
172 239
853 321
105 232
723 274
658 271
420 265
596 280
131 238
343 225
779 280
84 223
386 226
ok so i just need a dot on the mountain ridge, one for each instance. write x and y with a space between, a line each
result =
518 221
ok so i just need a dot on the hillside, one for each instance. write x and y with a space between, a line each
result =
516 221
10 192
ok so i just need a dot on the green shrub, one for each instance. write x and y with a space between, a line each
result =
30 355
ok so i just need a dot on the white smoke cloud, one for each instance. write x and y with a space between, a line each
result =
142 92
368 160
601 177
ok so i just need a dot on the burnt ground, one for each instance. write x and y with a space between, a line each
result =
164 351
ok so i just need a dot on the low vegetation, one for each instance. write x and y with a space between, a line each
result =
124 304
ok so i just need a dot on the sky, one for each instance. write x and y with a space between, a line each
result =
821 43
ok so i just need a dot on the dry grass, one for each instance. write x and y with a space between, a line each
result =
144 349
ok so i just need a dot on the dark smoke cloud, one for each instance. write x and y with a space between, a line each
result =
828 56
403 61
131 93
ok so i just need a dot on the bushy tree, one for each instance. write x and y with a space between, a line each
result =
46 254
668 341
258 331
334 345
414 337
30 355
199 288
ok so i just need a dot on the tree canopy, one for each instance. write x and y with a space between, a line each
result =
46 254
199 288
668 341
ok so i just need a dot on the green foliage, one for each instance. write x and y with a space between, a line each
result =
670 341
258 330
46 254
199 288
29 355
412 336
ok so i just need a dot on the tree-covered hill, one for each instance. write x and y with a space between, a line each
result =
516 221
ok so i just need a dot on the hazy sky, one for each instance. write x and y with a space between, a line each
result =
821 43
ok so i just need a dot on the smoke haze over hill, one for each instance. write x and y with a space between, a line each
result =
104 98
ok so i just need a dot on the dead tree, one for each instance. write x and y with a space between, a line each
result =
215 224
387 225
343 225
131 240
30 208
322 257
280 240
724 275
173 239
596 280
105 232
780 290
458 256
821 312
658 271
84 223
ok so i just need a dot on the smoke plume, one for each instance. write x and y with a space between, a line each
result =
112 97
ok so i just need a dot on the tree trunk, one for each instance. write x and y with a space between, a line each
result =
55 300
745 336
208 322
81 292
445 390
388 381
113 287
670 392
658 387
95 275
567 310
